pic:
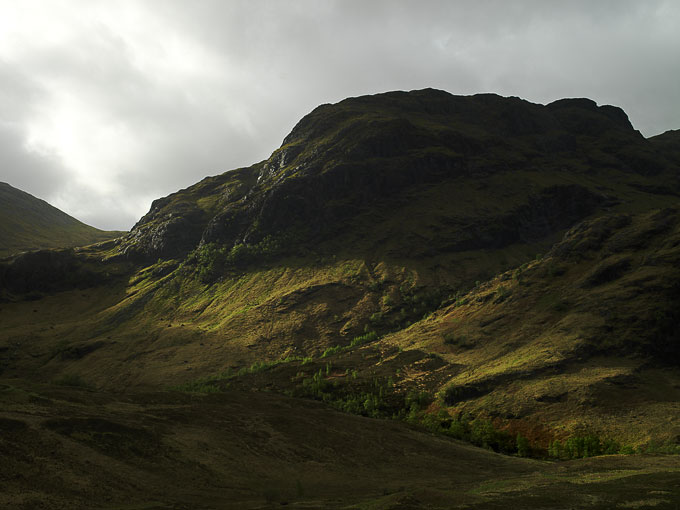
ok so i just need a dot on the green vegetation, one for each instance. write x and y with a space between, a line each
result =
523 448
502 293
578 447
212 260
374 398
357 341
412 305
481 432
333 350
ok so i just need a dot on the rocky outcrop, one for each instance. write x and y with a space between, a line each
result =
165 233
178 223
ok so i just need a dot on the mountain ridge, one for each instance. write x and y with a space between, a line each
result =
319 174
484 267
29 223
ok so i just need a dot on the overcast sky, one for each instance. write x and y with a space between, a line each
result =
107 105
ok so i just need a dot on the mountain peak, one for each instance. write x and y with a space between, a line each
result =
578 112
377 148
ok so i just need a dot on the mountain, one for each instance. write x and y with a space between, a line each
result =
482 267
362 167
28 223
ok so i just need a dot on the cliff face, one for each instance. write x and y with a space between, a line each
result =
364 153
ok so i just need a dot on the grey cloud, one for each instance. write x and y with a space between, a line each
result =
270 63
29 171
540 50
33 172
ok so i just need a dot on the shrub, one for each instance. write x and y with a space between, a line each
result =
502 293
627 450
371 336
523 449
668 447
332 350
481 432
261 366
458 430
461 301
590 445
417 400
375 285
376 318
212 259
357 341
610 447
583 446
555 449
317 386
484 434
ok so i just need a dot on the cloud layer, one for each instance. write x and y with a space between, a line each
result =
105 106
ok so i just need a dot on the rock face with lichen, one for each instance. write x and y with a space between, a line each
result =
341 160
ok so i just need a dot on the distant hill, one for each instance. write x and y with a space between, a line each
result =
29 223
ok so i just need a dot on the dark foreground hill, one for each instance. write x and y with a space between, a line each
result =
479 266
81 449
28 223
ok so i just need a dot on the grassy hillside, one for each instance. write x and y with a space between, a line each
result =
28 223
584 336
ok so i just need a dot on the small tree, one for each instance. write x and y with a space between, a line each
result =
523 449
555 449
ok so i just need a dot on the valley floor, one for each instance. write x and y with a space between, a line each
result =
66 447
